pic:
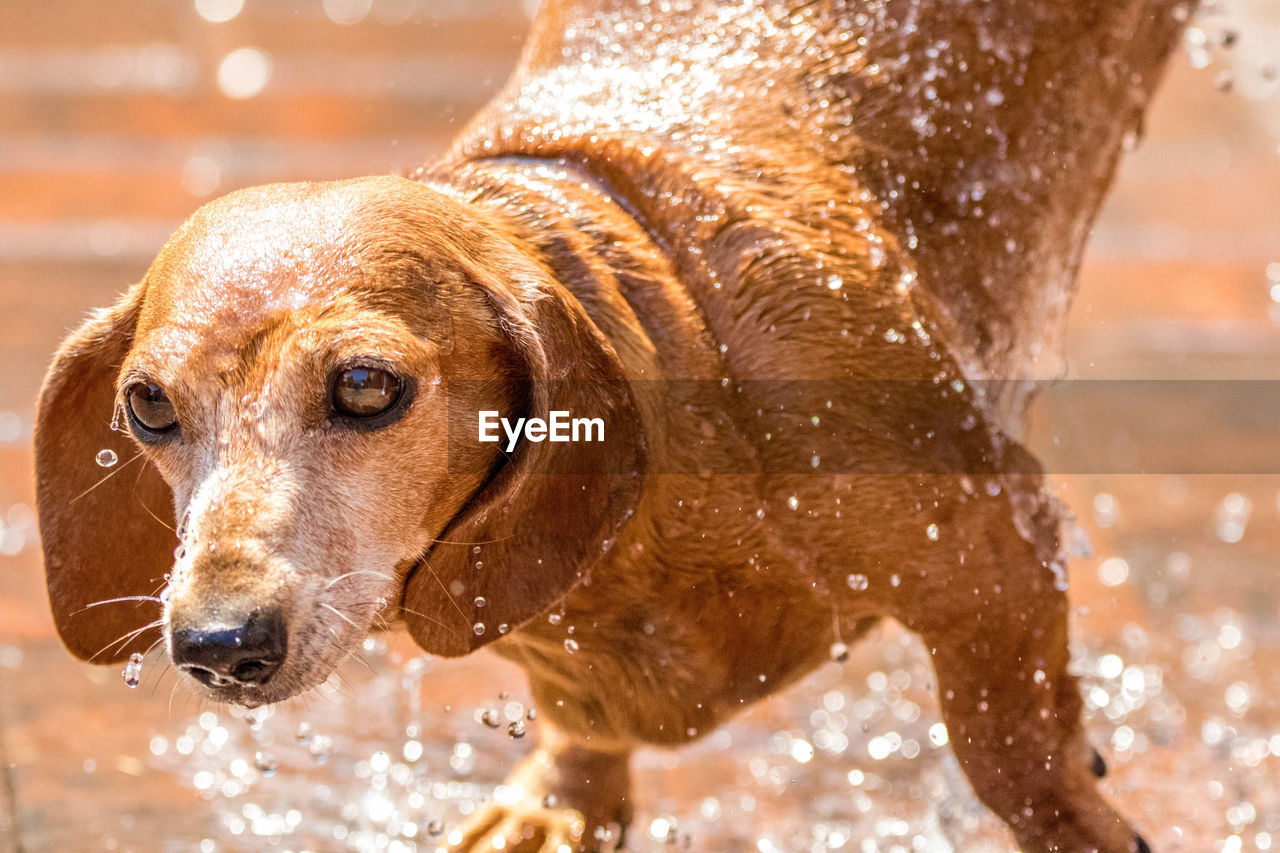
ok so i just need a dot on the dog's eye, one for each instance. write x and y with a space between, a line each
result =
365 392
150 409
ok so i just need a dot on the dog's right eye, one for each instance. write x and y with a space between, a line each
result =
150 410
367 393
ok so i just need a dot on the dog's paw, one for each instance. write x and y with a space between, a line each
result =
532 827
1063 829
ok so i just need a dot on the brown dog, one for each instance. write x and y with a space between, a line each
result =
773 250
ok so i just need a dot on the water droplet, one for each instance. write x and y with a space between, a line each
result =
1233 517
857 582
1061 581
302 733
1113 571
106 457
435 827
554 618
133 670
834 282
1104 509
480 601
478 628
793 502
1078 544
516 729
321 748
932 532
503 628
266 763
839 652
549 801
571 645
1110 666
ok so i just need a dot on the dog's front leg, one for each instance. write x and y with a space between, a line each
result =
565 796
1012 710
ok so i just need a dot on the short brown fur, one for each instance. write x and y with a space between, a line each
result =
775 256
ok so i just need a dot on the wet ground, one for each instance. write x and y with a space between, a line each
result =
116 125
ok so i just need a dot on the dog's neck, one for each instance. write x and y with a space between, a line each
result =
565 214
976 139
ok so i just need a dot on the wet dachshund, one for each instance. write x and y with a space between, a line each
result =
794 258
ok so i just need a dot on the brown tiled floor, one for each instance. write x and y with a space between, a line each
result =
92 171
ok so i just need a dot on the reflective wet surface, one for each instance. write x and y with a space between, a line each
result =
122 126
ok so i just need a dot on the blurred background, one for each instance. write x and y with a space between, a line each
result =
118 119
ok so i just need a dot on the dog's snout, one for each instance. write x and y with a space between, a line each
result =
244 652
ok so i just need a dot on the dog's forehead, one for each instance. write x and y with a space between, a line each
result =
281 252
261 251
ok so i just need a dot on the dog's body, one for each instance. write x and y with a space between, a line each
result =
773 249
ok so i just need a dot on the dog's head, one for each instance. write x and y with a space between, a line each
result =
296 383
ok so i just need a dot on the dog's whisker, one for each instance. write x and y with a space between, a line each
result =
351 653
446 592
132 459
173 691
153 598
159 679
382 575
476 542
341 615
129 636
153 515
399 608
451 629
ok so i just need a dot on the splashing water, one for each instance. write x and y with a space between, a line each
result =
133 670
840 759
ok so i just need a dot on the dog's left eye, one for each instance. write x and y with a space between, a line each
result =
366 392
150 411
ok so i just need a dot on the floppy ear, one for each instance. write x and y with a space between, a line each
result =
540 523
101 529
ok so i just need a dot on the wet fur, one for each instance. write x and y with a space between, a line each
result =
737 285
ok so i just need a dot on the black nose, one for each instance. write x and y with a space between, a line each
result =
222 655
